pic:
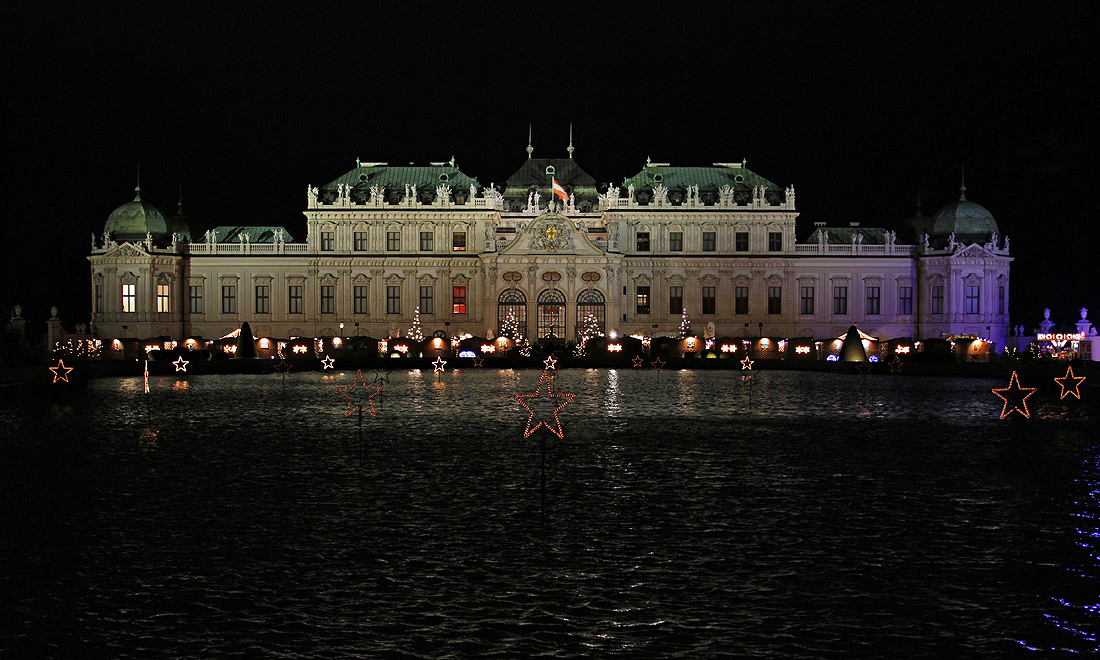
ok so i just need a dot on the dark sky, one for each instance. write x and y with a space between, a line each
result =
859 106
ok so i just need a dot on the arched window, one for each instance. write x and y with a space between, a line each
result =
590 301
513 303
551 314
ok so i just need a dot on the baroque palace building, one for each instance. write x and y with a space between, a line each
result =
387 242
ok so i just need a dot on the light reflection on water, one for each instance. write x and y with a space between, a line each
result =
829 515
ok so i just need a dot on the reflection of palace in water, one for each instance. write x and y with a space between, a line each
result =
387 242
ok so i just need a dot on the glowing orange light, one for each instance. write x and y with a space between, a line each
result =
1070 383
729 348
229 348
658 364
438 364
488 348
301 349
190 344
1019 403
117 345
901 349
181 364
437 343
615 348
336 342
637 360
264 343
805 350
345 389
690 343
556 429
327 363
401 348
61 372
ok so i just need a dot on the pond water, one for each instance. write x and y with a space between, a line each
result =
683 515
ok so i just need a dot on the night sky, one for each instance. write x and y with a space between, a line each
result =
862 108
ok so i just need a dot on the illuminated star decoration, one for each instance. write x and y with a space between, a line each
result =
477 361
61 372
864 368
895 365
283 367
746 364
1070 383
637 361
658 364
379 378
556 429
345 389
327 363
181 364
550 363
438 364
1012 397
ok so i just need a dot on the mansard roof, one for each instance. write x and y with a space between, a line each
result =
714 177
533 172
366 175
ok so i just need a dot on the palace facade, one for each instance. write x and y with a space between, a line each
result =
385 243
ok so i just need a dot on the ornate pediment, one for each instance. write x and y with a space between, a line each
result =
127 250
361 279
328 278
550 233
974 251
426 280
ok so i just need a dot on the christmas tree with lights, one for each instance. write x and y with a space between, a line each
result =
685 324
510 327
415 332
590 328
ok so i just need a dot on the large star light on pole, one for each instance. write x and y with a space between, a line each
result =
551 363
181 364
1070 384
438 364
556 428
327 363
746 364
346 390
1015 397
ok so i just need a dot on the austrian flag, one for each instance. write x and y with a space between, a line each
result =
558 190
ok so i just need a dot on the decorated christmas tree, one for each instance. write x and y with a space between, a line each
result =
415 332
590 328
685 324
525 348
510 327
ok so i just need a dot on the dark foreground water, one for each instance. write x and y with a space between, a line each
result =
832 517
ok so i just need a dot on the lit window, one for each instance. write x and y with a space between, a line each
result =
643 300
163 298
129 297
458 241
458 299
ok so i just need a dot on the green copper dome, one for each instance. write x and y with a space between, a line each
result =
132 220
964 219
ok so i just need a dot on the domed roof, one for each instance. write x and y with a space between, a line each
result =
133 220
964 218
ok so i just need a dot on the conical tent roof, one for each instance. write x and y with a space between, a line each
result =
852 350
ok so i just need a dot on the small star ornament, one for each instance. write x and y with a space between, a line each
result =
181 364
327 363
637 361
478 361
1015 397
347 389
61 372
550 362
283 367
556 428
438 364
658 364
895 365
746 364
1070 384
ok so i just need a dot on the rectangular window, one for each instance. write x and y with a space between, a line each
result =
229 299
294 299
458 241
99 298
708 299
972 295
775 241
741 241
328 299
642 299
905 300
129 297
874 300
1000 300
937 300
263 299
676 241
194 295
360 241
710 241
643 241
458 299
675 299
393 241
807 306
427 300
393 300
328 241
741 300
775 300
840 300
359 299
427 241
163 298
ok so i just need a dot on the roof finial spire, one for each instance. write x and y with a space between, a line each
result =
179 205
570 148
137 188
530 149
962 188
